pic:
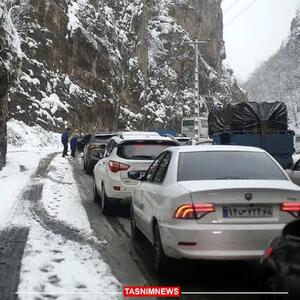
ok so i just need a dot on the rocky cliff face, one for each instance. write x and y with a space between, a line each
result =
106 65
9 60
278 79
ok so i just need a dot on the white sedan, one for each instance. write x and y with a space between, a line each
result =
212 202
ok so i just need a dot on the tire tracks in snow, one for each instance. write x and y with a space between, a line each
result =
33 196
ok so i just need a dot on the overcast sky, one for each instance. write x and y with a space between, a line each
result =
257 33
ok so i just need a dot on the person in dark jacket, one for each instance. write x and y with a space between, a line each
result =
73 142
64 140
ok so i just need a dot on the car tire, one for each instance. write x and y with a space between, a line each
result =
84 165
106 205
136 234
161 261
96 195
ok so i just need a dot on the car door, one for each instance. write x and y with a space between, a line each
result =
294 173
139 193
153 193
102 165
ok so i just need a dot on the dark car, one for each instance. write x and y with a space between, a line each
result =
83 141
281 263
93 149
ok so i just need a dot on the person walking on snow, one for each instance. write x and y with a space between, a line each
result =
64 140
73 142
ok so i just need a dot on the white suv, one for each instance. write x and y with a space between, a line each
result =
127 152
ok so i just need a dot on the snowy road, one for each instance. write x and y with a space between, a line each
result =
58 245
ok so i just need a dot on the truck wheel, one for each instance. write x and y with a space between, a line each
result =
106 205
136 234
96 195
161 261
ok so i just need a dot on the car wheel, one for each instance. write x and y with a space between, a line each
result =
96 195
106 205
136 234
161 261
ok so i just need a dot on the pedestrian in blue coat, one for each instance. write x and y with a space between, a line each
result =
73 142
64 140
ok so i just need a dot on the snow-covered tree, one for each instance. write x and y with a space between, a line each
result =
9 61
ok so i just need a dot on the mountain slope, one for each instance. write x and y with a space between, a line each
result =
106 65
278 79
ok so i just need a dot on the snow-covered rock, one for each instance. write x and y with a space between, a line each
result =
119 64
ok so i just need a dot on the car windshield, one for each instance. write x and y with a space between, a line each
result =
221 165
143 150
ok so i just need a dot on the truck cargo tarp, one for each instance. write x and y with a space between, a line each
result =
218 120
265 116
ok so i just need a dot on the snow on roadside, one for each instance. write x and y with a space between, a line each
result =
26 146
58 268
23 137
61 198
55 268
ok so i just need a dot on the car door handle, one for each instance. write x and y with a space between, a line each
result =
142 206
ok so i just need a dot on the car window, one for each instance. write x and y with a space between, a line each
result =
152 170
227 165
162 169
143 150
297 166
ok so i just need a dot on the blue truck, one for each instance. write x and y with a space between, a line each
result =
262 125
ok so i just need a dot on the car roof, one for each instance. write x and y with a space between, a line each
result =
221 148
128 134
141 136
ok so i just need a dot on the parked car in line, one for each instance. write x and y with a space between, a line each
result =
294 173
212 202
96 142
130 151
83 141
281 264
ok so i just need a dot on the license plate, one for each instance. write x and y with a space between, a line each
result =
248 212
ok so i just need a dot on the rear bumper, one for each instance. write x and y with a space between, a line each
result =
218 241
125 192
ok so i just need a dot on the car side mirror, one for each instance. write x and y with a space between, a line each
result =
136 175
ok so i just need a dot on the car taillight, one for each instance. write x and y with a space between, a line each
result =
196 211
268 252
115 166
291 207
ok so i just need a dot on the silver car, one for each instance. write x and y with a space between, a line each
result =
212 202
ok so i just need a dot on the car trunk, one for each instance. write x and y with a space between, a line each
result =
243 201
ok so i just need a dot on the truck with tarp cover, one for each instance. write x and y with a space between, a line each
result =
263 125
